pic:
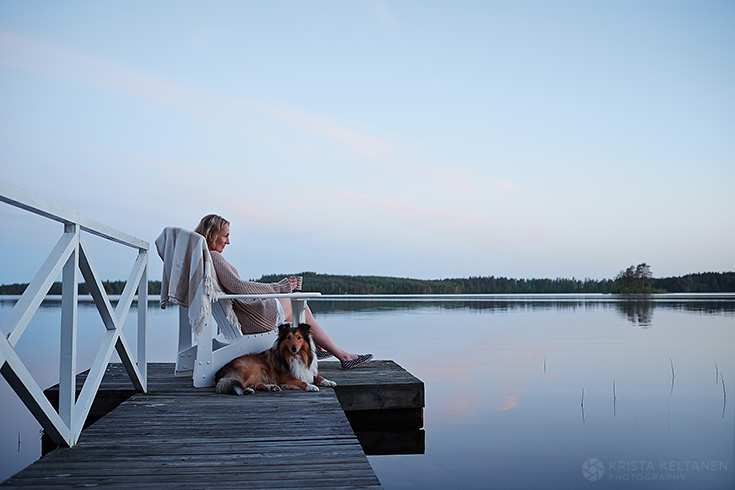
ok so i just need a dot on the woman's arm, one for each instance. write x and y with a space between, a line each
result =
231 282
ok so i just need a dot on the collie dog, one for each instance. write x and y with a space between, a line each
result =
290 364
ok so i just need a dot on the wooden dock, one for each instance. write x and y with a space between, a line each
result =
178 436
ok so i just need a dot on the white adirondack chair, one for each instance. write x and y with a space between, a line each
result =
220 339
203 359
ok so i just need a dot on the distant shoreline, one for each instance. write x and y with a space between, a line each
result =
593 297
328 284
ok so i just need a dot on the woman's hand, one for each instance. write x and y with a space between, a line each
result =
292 282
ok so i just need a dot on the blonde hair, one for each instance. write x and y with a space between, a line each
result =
210 226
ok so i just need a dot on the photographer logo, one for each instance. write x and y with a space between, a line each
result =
593 469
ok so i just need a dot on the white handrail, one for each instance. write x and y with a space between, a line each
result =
30 202
69 255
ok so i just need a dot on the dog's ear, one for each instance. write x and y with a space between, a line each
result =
305 328
283 327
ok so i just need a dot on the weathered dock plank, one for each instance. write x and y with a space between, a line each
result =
177 436
380 393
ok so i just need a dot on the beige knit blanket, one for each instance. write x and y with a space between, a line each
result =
187 274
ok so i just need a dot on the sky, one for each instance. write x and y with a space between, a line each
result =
424 139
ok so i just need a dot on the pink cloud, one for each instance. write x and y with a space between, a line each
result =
258 215
44 58
41 57
330 129
505 184
434 220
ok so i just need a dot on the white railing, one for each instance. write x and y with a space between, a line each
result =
70 254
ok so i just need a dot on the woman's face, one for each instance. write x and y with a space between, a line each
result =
221 239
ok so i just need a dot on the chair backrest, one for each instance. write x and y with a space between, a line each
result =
186 279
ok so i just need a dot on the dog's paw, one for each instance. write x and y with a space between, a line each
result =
326 382
243 391
274 388
311 387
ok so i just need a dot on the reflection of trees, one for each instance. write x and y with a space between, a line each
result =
710 307
636 309
374 306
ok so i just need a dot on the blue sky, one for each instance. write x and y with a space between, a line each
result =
407 138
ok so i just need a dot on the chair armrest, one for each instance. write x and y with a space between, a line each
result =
298 302
271 295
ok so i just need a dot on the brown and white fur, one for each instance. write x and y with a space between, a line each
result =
290 364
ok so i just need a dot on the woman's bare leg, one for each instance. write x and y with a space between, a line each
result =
321 338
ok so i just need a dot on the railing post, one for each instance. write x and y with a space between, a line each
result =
68 357
143 322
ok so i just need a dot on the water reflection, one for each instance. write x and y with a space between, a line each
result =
637 309
391 443
639 312
504 380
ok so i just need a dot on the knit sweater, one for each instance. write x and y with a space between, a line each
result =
255 314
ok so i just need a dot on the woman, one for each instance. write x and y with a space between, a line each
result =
262 315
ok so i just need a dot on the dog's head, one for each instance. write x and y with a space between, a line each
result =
294 339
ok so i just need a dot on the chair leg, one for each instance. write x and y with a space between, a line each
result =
298 311
185 353
203 370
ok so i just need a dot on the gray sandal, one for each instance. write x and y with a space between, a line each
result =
322 354
361 359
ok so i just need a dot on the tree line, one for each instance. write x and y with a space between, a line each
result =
333 284
633 280
111 287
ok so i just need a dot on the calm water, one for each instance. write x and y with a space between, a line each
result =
521 392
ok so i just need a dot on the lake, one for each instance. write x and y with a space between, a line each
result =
532 391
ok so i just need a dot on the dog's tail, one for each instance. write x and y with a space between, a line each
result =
230 385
